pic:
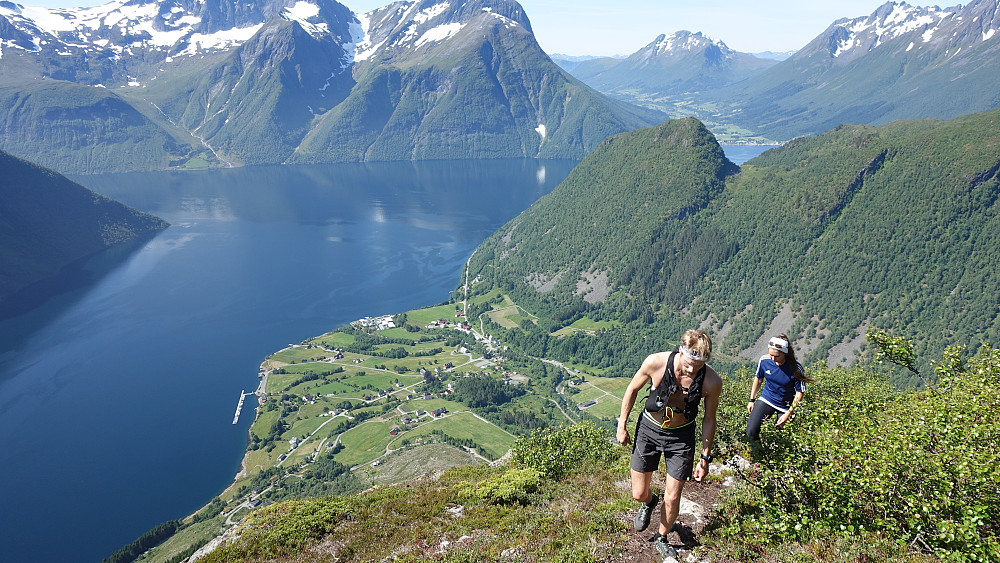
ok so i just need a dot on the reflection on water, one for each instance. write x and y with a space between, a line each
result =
329 193
742 153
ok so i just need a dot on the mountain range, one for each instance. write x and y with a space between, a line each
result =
149 84
156 84
680 62
899 62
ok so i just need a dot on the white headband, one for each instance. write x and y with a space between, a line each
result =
691 354
779 344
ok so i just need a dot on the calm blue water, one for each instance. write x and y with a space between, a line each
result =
118 388
742 153
117 398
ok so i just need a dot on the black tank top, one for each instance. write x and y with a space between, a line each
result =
658 396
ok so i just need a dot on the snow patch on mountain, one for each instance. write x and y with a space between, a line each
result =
685 41
219 40
885 25
439 33
430 13
302 12
360 47
957 26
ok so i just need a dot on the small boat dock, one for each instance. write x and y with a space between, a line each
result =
239 406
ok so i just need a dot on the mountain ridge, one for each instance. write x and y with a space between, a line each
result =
899 62
679 62
48 222
273 81
704 267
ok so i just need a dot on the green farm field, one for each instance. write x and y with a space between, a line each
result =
423 317
466 426
364 443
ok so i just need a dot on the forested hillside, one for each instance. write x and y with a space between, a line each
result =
890 226
85 128
48 221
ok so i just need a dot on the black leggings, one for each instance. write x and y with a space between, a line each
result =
761 410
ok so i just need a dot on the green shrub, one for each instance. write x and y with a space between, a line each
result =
281 529
511 487
555 452
859 459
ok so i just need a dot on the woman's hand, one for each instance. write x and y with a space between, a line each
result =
784 418
750 407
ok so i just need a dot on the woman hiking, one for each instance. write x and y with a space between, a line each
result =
784 383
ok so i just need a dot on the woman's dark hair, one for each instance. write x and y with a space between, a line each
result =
790 357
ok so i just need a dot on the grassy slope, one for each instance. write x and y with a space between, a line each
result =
826 502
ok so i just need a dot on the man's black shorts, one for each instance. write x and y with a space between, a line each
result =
676 445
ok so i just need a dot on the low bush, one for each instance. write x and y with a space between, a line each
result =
554 452
861 459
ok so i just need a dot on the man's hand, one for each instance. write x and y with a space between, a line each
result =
701 470
623 438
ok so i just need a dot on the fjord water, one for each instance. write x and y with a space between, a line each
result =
118 388
117 397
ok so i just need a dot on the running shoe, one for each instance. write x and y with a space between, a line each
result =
667 551
645 511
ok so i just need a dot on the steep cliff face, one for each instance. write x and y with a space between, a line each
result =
255 105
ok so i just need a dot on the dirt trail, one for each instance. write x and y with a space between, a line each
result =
696 504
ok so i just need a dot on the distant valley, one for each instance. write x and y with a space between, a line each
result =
900 62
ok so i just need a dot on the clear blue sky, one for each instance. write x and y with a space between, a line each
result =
609 27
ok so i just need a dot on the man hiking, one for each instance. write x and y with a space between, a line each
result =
678 382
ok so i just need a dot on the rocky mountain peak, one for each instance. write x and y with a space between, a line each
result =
402 27
174 27
683 42
932 27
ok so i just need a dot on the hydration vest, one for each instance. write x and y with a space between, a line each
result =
657 399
